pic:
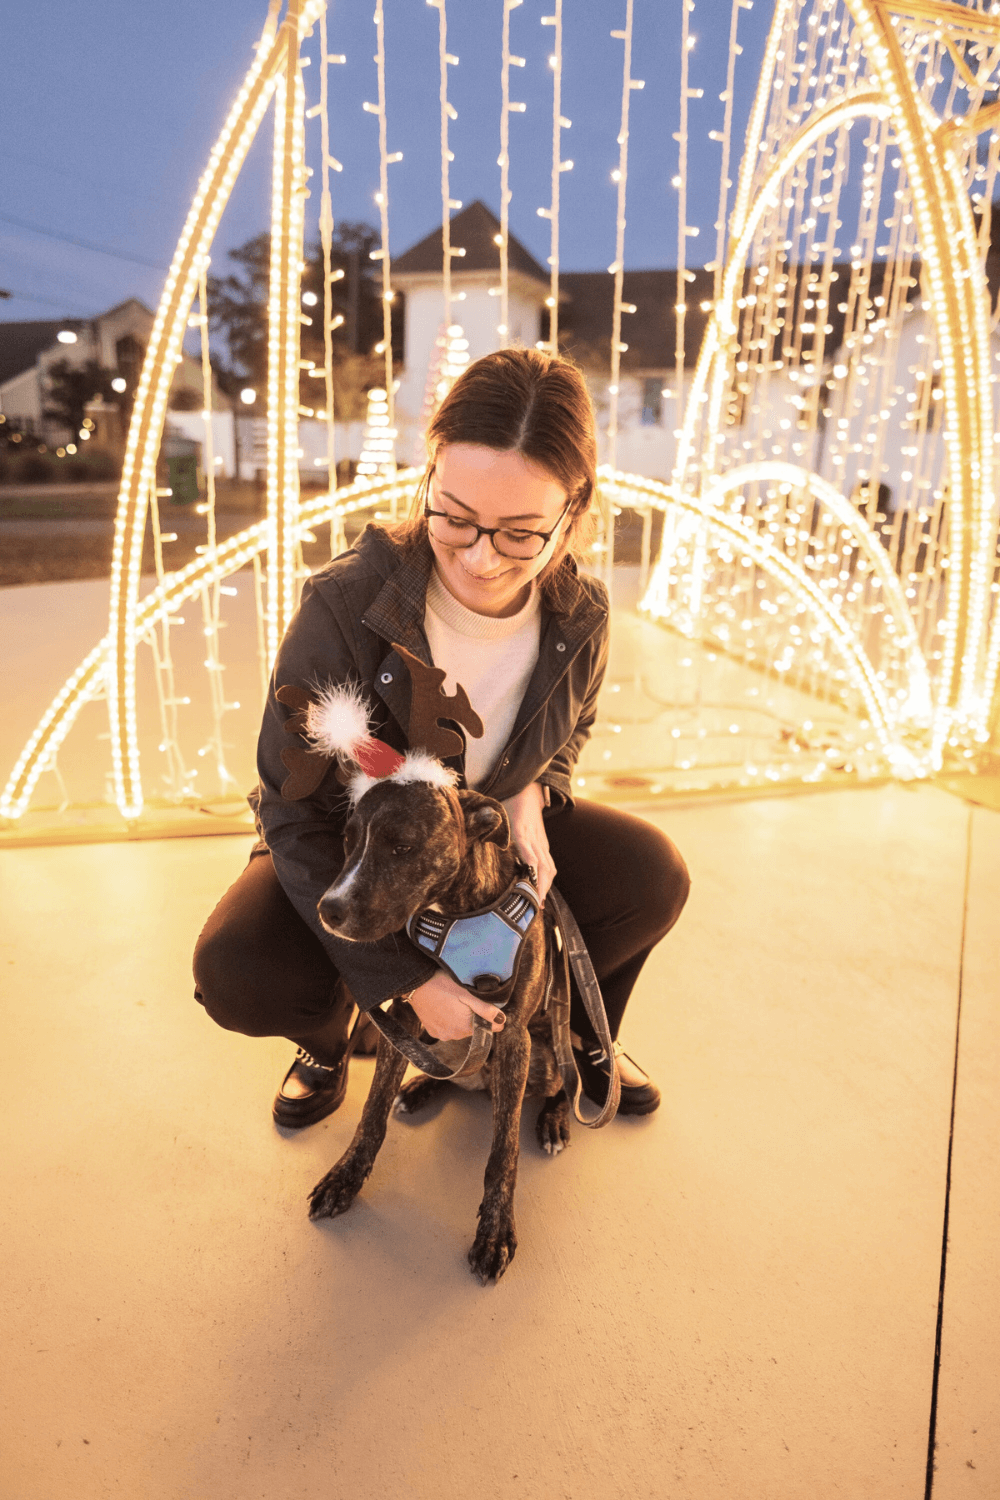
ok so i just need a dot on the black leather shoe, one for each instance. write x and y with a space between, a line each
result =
326 1090
636 1099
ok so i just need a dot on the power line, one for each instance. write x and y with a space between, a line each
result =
72 239
91 182
13 293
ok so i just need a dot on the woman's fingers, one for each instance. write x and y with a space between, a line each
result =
443 1006
537 856
487 1011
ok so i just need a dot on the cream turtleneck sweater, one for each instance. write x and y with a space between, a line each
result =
492 659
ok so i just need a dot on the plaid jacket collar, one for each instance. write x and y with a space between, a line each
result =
396 614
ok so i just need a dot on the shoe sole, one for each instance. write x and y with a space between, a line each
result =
647 1107
299 1120
285 1113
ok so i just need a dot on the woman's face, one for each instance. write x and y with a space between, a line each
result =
479 484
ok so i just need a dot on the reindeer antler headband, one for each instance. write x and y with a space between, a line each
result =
336 724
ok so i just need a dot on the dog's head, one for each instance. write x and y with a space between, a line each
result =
405 843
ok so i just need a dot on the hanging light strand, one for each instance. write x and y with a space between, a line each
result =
680 307
210 595
326 244
617 268
727 137
177 777
508 60
288 196
448 112
558 167
382 254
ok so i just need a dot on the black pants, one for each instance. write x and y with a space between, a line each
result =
260 970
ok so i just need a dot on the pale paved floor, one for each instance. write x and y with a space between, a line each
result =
736 1297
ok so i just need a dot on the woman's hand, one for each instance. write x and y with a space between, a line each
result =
445 1008
528 833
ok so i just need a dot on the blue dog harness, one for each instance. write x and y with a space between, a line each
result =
481 950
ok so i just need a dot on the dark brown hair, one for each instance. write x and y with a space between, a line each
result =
536 404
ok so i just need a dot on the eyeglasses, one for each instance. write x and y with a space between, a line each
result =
455 531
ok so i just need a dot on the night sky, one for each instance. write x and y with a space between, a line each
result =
110 110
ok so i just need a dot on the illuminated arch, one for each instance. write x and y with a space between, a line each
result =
275 71
634 490
90 678
960 308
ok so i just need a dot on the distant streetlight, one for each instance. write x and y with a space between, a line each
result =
248 396
65 336
310 299
118 384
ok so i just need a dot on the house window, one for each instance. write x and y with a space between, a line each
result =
652 401
129 355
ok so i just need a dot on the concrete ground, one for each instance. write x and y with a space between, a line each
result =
735 1297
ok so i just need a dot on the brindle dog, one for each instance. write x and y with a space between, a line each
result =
409 845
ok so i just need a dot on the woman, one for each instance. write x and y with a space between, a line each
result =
483 584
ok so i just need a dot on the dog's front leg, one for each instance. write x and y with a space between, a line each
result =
335 1193
496 1239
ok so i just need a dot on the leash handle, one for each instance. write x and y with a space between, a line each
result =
425 1057
575 955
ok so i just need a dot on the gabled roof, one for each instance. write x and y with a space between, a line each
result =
121 306
22 343
471 230
586 317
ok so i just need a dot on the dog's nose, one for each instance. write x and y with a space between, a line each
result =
332 910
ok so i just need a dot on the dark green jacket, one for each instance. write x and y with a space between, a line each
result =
350 616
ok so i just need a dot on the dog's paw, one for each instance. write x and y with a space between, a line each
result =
415 1094
552 1125
335 1193
492 1252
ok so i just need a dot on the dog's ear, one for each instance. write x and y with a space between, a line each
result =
485 819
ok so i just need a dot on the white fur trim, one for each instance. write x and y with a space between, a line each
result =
359 784
419 766
337 721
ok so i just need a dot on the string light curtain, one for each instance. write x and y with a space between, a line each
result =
829 524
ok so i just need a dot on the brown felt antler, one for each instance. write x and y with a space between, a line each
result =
306 768
430 703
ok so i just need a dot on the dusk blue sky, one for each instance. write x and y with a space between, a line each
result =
109 113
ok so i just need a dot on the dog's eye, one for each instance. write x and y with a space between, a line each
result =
402 849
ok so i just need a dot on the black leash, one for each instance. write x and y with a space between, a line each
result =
426 1058
574 957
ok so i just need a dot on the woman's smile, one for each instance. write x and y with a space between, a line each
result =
493 489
